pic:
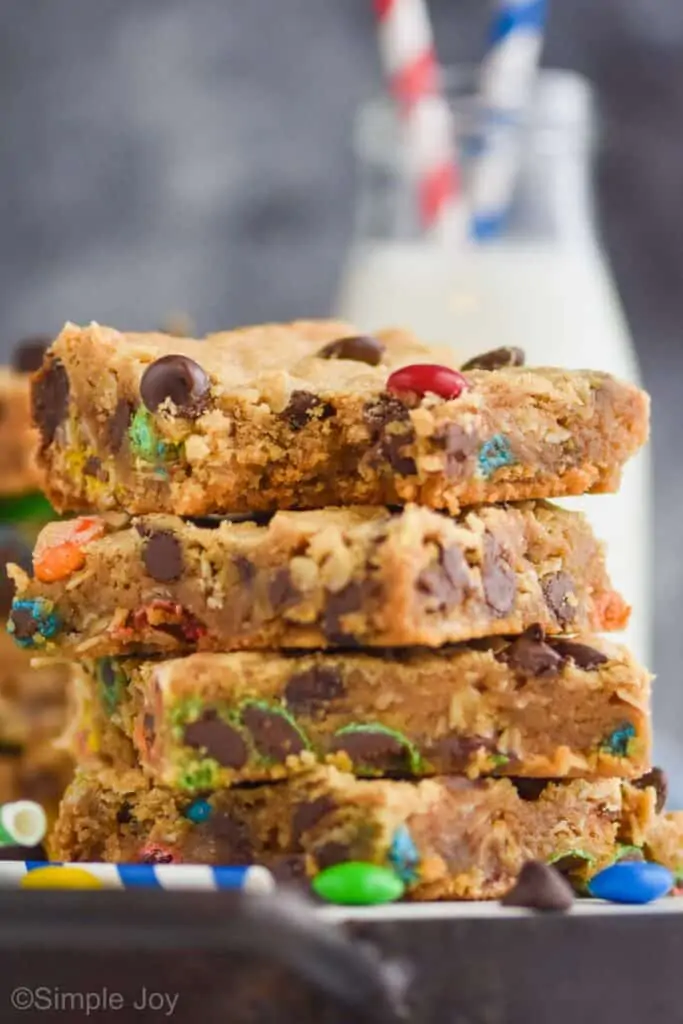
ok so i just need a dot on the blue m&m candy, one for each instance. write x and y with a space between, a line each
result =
631 882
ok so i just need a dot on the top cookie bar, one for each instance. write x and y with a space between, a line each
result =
309 414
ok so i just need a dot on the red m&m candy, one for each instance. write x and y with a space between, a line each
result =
420 378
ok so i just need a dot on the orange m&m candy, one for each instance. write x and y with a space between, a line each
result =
59 548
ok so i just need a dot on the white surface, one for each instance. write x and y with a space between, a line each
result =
555 302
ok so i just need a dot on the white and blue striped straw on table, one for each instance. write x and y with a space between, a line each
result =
507 76
199 877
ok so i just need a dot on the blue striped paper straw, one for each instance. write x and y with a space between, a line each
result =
199 877
507 76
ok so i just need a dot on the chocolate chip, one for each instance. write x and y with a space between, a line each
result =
448 581
93 467
163 556
347 600
12 549
218 740
657 779
23 853
124 814
25 626
500 584
582 655
540 886
177 379
50 399
281 590
370 748
233 835
496 359
307 693
149 729
531 655
118 424
331 853
28 353
307 815
391 449
304 407
288 869
382 411
458 445
361 349
456 752
274 737
10 750
529 789
557 588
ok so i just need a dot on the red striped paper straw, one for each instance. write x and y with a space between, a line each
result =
409 58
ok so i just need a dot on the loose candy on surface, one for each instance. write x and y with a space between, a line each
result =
356 883
22 823
58 877
423 378
59 549
539 886
630 881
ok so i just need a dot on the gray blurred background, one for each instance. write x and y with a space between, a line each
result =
194 156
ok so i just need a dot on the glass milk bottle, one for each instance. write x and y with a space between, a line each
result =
544 285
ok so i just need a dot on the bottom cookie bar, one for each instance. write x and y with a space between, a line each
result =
448 837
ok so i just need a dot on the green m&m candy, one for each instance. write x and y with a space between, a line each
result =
356 883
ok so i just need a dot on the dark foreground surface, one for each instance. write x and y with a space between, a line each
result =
223 957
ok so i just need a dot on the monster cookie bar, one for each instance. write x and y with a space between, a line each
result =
449 837
529 707
326 578
309 415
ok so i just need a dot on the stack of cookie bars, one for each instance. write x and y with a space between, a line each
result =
322 611
33 701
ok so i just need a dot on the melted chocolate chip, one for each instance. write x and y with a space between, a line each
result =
331 853
308 692
582 655
530 655
448 581
246 570
307 816
119 423
457 752
281 590
370 748
93 467
25 626
500 585
540 886
163 556
234 839
458 445
273 735
382 411
124 814
657 779
558 587
177 379
28 353
303 407
12 549
361 349
350 599
496 359
218 739
50 399
391 449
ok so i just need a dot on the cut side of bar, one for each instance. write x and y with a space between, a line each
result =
285 416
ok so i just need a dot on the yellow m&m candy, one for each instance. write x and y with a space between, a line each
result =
60 878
